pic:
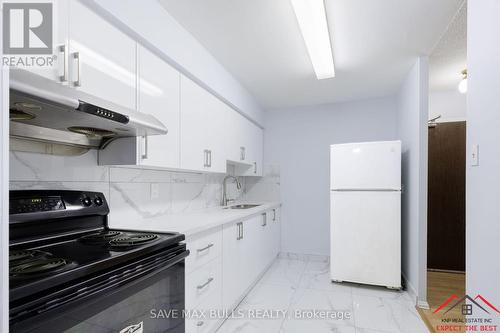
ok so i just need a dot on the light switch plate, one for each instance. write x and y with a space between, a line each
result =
474 161
155 190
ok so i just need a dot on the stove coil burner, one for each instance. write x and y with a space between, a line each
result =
101 237
17 255
38 266
132 240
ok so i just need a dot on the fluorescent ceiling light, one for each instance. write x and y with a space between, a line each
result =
311 16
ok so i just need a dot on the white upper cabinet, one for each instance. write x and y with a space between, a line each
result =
102 59
204 120
255 143
245 146
158 95
158 86
204 133
59 71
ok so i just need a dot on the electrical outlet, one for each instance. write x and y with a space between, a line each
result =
155 190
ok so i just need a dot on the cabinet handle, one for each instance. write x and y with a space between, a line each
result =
201 286
255 167
264 219
205 248
78 81
240 230
209 158
242 153
145 148
64 76
200 323
205 158
274 214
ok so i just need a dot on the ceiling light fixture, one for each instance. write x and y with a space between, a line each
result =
462 86
311 16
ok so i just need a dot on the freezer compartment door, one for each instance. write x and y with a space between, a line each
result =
371 165
366 237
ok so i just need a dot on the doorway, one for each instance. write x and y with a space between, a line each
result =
445 218
446 197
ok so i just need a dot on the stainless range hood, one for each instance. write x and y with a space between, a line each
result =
46 111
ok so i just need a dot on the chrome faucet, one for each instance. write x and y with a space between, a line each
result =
225 200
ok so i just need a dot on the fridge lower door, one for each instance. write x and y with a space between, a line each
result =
366 237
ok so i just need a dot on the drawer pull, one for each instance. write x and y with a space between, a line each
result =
200 323
201 286
205 248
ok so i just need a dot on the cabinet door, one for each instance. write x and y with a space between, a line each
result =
59 71
275 222
261 244
203 136
232 263
158 86
237 143
102 58
254 138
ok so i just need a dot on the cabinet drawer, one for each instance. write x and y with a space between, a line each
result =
204 282
203 248
211 321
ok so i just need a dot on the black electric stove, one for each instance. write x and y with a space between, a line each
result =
69 271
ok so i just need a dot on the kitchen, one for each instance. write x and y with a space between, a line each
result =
167 175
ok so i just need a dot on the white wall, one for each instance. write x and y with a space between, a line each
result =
451 105
412 130
483 128
159 31
299 140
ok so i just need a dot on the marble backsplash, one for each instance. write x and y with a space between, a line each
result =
134 193
265 188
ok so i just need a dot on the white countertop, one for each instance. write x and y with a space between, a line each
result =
190 224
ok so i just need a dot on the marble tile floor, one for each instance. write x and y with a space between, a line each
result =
303 284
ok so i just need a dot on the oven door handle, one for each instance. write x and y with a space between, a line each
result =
108 283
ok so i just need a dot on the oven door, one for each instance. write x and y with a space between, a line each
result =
141 297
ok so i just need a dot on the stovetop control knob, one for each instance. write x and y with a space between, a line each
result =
98 201
86 201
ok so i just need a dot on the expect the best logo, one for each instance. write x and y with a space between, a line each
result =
467 314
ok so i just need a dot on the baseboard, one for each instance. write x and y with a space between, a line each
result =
410 288
413 293
423 305
303 256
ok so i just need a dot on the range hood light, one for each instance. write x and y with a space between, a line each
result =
27 106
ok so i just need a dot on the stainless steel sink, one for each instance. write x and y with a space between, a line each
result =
241 206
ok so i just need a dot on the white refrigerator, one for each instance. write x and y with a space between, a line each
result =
365 213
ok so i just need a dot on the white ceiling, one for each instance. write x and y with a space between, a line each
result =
374 44
449 57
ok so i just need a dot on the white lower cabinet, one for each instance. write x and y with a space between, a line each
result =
203 287
275 222
224 263
233 268
248 249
